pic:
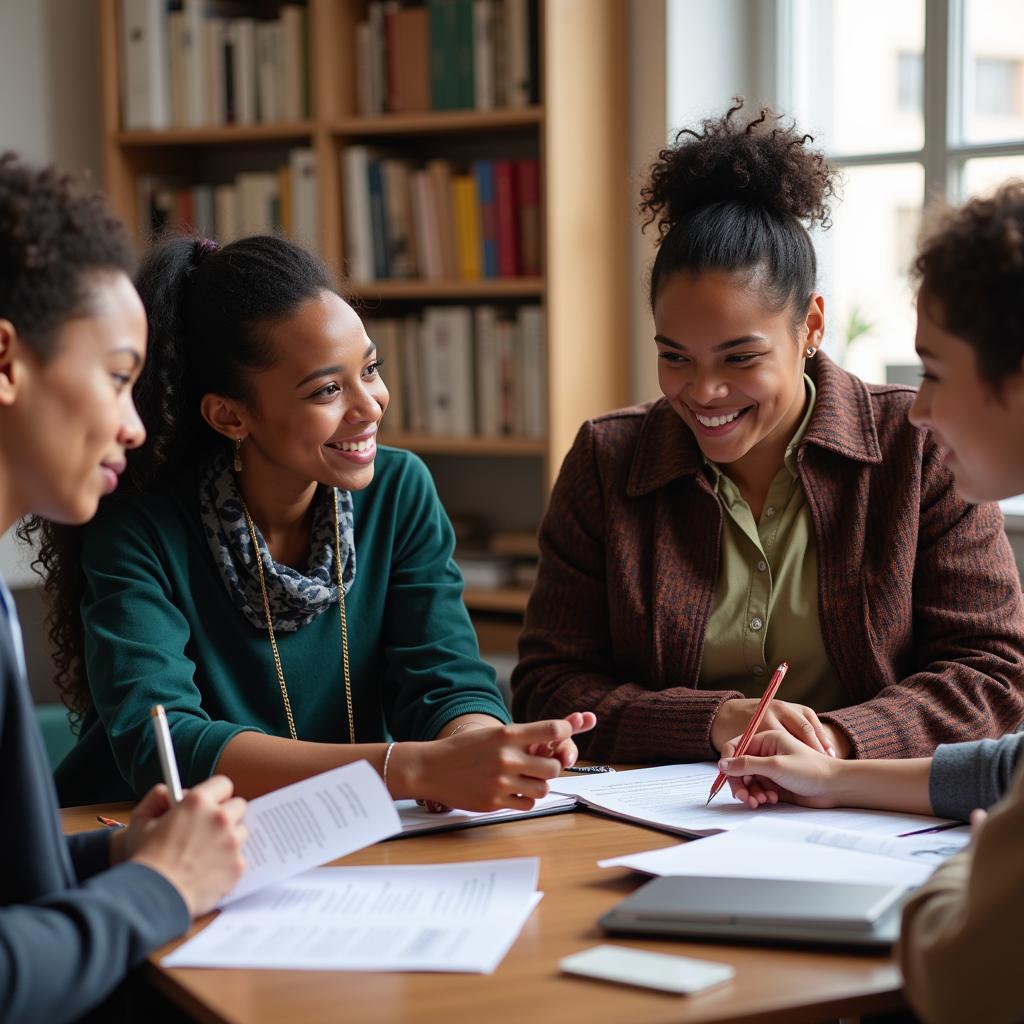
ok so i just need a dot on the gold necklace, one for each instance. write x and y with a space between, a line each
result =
270 623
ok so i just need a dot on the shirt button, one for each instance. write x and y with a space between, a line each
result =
762 565
757 670
756 623
770 510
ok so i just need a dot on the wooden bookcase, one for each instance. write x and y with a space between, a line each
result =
579 134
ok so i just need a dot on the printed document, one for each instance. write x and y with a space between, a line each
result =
433 917
311 822
671 797
785 849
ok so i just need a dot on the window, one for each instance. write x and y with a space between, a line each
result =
910 99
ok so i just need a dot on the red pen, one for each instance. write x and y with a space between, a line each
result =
109 822
773 688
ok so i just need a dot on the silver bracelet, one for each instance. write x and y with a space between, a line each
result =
387 757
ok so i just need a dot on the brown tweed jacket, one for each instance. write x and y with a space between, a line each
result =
918 597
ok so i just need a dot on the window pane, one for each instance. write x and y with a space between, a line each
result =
858 73
993 70
865 258
983 175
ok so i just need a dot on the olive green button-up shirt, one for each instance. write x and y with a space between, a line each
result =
766 600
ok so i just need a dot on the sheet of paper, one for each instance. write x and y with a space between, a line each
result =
435 917
311 822
775 848
672 797
418 819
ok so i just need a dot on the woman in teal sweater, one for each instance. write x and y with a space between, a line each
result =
284 587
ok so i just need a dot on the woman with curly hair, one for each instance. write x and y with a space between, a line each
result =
961 946
78 913
281 584
769 507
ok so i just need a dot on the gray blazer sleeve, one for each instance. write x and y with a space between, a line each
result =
969 775
90 852
61 955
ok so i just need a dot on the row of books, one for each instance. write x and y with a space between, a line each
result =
489 560
440 222
447 55
457 371
281 202
204 63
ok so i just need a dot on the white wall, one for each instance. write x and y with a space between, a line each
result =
49 112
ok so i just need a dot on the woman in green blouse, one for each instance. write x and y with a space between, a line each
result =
284 587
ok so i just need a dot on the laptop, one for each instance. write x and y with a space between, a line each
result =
762 910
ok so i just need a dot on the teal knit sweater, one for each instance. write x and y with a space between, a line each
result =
160 627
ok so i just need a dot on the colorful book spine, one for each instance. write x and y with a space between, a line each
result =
527 173
467 227
378 220
483 171
505 217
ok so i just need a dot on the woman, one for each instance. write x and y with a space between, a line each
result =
78 913
282 585
770 507
960 948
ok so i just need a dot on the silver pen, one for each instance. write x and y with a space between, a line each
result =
166 750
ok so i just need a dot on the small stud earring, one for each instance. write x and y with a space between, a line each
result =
238 455
811 352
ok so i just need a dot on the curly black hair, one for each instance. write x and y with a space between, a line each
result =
735 196
56 235
970 268
56 232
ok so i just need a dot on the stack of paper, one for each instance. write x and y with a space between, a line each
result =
417 820
437 917
771 848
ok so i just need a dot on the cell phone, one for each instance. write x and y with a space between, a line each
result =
667 972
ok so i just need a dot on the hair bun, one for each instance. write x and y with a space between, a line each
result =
761 161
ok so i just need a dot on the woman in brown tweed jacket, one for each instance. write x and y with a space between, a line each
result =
769 506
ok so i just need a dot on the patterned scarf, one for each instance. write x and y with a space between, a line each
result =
295 598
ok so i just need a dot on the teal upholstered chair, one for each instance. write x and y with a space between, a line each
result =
56 730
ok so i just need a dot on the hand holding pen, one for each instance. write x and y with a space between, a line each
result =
752 726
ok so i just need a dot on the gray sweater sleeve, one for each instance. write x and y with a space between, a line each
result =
969 775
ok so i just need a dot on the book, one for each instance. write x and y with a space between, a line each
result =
461 53
411 60
483 55
243 35
426 232
443 81
447 355
305 221
506 218
517 50
527 189
227 214
386 334
145 85
378 221
294 62
483 171
468 242
488 371
176 30
398 219
358 227
533 361
441 178
214 83
192 63
415 394
269 76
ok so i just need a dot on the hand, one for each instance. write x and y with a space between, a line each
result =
734 716
484 768
197 844
978 817
124 842
566 752
777 766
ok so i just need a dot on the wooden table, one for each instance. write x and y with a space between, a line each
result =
772 986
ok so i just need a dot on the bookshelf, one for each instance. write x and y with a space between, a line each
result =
578 135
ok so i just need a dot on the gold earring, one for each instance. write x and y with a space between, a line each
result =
811 351
238 455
